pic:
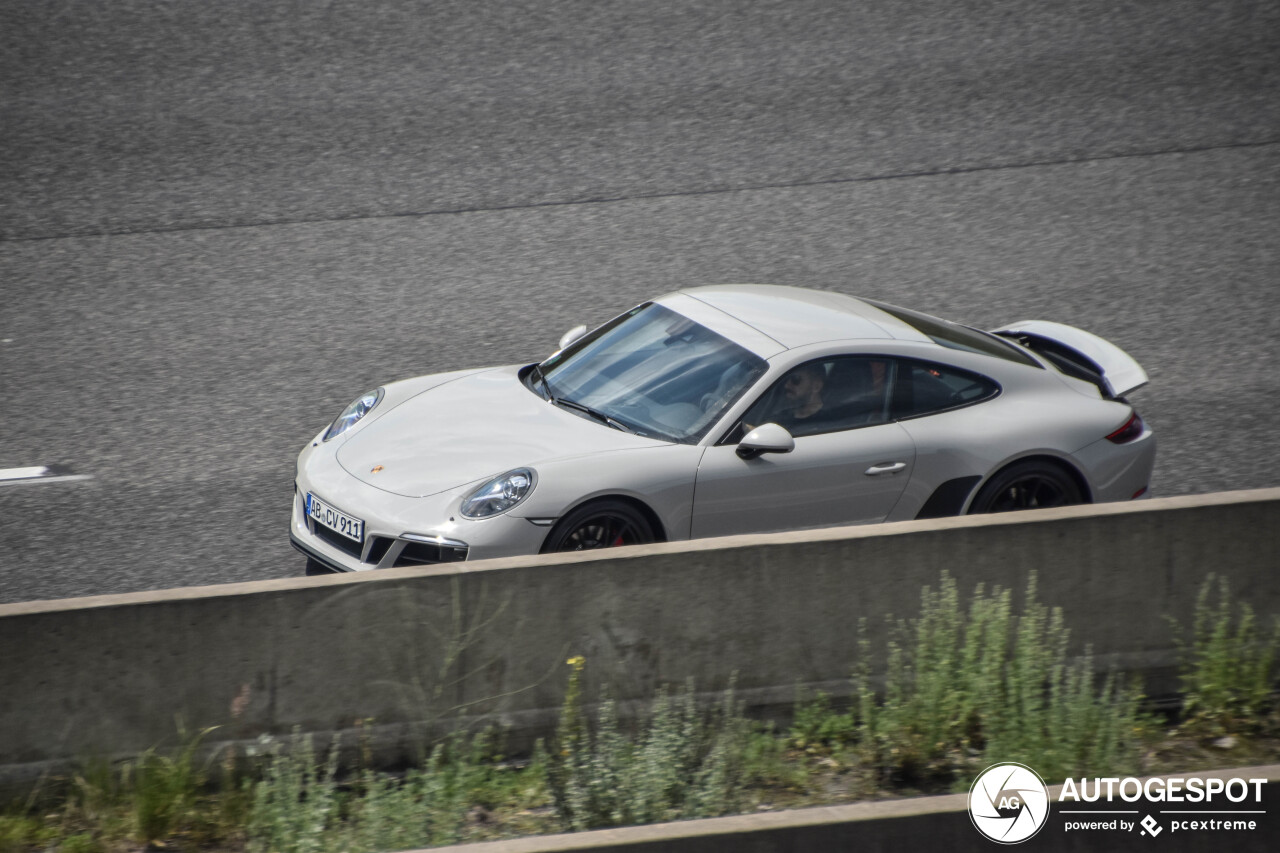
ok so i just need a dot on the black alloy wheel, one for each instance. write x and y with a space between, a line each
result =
1027 485
603 524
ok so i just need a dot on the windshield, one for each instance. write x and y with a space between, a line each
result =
655 372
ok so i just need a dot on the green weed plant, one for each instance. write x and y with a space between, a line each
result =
1228 671
973 686
681 763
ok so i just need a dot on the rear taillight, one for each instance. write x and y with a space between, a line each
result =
1132 429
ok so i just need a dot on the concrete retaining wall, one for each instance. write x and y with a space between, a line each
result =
917 823
110 674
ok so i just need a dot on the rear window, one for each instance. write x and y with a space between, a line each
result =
955 336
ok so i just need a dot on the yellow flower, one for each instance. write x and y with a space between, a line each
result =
577 662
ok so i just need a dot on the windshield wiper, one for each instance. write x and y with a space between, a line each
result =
539 379
590 412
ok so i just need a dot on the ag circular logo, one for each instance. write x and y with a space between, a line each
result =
1009 803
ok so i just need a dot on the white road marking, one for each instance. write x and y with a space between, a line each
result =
36 474
23 473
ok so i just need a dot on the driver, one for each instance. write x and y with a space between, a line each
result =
800 402
802 391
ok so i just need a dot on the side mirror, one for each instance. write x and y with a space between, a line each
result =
766 438
572 335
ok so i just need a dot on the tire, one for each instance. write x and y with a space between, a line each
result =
1027 485
600 524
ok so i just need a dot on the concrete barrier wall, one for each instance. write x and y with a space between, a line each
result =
111 674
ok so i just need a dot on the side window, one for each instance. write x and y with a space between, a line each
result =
824 395
923 388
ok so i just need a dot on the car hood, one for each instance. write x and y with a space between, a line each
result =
468 430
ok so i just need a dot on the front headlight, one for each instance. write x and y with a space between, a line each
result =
499 494
359 407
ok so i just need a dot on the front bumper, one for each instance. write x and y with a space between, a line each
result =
377 551
398 530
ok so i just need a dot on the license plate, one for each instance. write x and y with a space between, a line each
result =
335 519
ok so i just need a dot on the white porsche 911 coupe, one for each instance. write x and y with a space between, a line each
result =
721 410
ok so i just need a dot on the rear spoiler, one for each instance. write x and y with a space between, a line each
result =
1080 354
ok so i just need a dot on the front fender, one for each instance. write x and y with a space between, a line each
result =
660 477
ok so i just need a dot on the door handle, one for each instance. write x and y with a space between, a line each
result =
885 468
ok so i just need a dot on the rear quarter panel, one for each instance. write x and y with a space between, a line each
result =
1035 414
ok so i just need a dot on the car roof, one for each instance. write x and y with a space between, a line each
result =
795 316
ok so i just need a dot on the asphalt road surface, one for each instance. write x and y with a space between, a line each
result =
220 222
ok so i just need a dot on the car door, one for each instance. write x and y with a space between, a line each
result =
850 463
